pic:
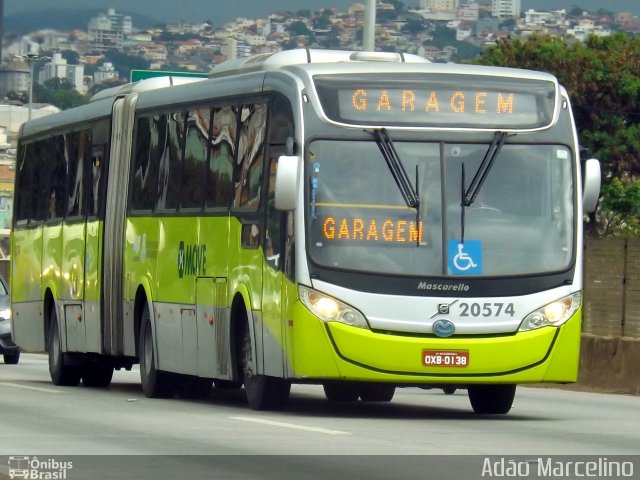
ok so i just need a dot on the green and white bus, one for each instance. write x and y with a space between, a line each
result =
357 220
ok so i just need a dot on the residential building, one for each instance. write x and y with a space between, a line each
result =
440 5
469 12
14 76
506 8
104 73
59 68
108 30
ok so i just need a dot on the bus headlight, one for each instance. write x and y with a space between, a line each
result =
329 309
553 314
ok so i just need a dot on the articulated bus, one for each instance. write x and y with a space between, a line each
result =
362 221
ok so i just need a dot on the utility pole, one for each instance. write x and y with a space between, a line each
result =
30 58
369 30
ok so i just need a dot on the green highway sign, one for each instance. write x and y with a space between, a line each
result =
144 74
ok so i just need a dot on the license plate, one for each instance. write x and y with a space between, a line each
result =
445 358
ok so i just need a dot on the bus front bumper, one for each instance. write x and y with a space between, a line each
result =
337 351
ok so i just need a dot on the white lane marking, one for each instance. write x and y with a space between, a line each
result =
26 387
290 425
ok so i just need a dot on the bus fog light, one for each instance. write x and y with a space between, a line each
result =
554 314
329 309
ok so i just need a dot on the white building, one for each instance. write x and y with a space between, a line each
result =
555 17
13 116
105 72
506 8
469 12
109 30
58 68
440 5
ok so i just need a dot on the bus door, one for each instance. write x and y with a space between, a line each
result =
73 241
212 298
95 175
273 283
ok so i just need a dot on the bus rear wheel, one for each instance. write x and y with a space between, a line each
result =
11 358
97 376
155 384
61 374
492 399
263 392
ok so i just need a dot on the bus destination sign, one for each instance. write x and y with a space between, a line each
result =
446 101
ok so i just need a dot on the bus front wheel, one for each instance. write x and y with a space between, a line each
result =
61 374
492 399
155 384
263 392
377 392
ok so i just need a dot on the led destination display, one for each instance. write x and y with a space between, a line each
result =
446 101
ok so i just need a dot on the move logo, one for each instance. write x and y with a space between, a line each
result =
192 260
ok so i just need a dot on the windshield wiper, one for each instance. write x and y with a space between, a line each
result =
468 195
409 193
483 170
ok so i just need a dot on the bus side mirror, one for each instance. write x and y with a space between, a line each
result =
286 194
591 188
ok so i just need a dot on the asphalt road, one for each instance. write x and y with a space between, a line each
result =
112 432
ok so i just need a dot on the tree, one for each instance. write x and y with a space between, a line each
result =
62 94
413 27
602 77
125 63
620 208
298 29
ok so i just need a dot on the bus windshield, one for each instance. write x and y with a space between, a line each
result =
520 223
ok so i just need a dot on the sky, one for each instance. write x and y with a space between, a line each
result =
220 12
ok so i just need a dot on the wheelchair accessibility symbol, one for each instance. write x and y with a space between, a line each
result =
465 258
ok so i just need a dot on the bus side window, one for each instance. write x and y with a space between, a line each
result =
278 243
144 179
24 185
195 159
42 175
219 181
57 185
170 158
250 157
75 179
95 153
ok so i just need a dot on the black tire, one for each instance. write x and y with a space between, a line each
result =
449 390
61 374
377 392
341 391
263 392
155 383
97 376
192 387
492 399
12 358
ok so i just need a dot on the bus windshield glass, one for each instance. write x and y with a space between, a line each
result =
520 223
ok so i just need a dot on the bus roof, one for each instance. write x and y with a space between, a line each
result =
300 56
